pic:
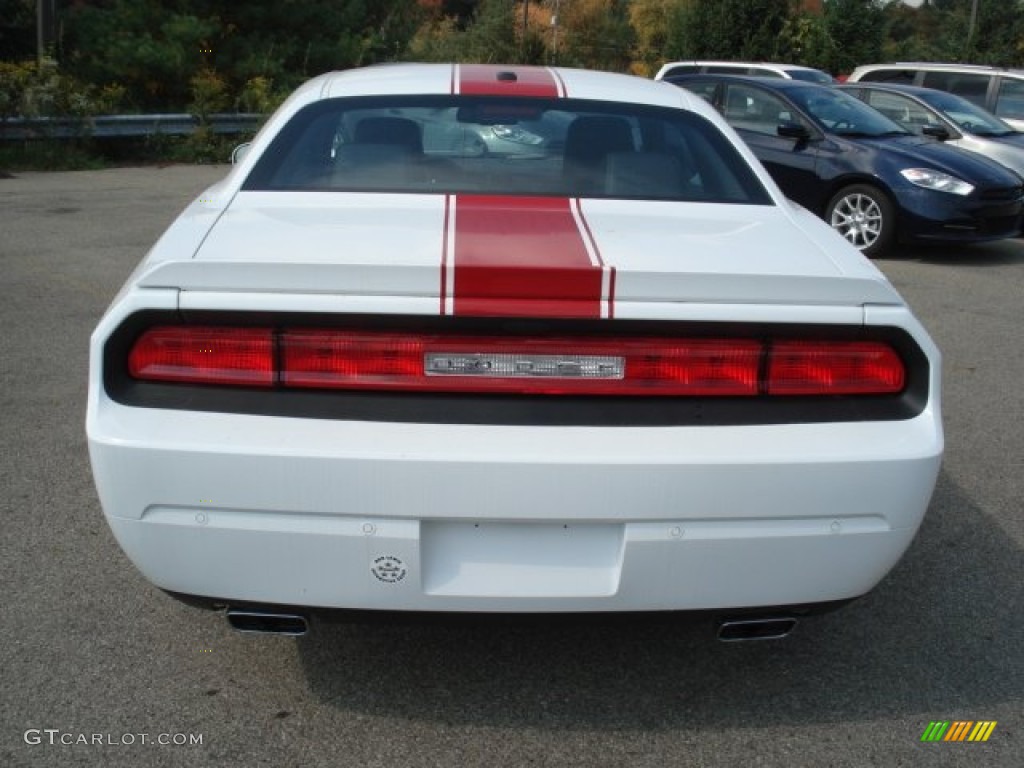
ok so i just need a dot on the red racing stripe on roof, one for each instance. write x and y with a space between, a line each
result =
522 256
484 80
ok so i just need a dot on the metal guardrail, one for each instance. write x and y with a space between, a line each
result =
110 126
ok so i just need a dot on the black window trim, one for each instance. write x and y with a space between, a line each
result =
268 163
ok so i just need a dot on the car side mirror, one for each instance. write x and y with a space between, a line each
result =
239 152
789 130
936 132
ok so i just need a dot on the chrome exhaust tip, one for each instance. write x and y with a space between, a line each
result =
268 622
768 628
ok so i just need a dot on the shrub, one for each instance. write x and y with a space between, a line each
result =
258 96
28 89
209 95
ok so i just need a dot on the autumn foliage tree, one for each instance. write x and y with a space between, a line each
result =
155 48
154 52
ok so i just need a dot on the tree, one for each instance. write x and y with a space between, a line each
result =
17 30
939 31
596 34
493 35
727 29
650 32
805 40
155 48
856 29
998 32
139 44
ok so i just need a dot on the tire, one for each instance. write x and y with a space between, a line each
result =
865 216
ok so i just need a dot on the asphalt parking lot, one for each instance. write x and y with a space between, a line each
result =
98 668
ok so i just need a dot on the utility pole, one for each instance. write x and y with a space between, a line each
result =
554 33
526 21
39 33
970 26
45 23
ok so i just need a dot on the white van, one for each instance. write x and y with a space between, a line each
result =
751 68
1000 91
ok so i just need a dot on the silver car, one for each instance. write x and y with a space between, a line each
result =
999 90
946 117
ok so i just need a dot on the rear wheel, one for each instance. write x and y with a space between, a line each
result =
864 216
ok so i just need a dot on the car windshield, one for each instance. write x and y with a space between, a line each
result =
842 114
486 145
968 117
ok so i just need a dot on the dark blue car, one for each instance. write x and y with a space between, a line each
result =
871 179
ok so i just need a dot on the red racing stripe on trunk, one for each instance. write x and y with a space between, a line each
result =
483 80
522 256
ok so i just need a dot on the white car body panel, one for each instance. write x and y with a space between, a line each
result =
661 252
335 513
362 492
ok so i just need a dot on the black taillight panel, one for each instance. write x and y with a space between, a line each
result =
517 409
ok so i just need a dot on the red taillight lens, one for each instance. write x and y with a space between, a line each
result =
349 360
834 368
699 366
558 365
205 355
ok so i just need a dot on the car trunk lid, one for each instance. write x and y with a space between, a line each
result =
478 255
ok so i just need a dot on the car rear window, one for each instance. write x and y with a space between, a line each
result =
682 69
972 87
811 76
902 76
482 145
1011 99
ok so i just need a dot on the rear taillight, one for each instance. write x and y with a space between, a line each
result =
306 358
834 368
205 355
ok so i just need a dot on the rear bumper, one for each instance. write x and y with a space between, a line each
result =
418 517
448 618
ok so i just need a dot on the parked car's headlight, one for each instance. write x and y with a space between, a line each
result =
940 182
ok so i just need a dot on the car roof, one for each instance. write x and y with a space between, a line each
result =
986 68
427 78
918 92
910 90
780 67
419 79
731 63
775 83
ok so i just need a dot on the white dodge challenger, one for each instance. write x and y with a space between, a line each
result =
476 338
